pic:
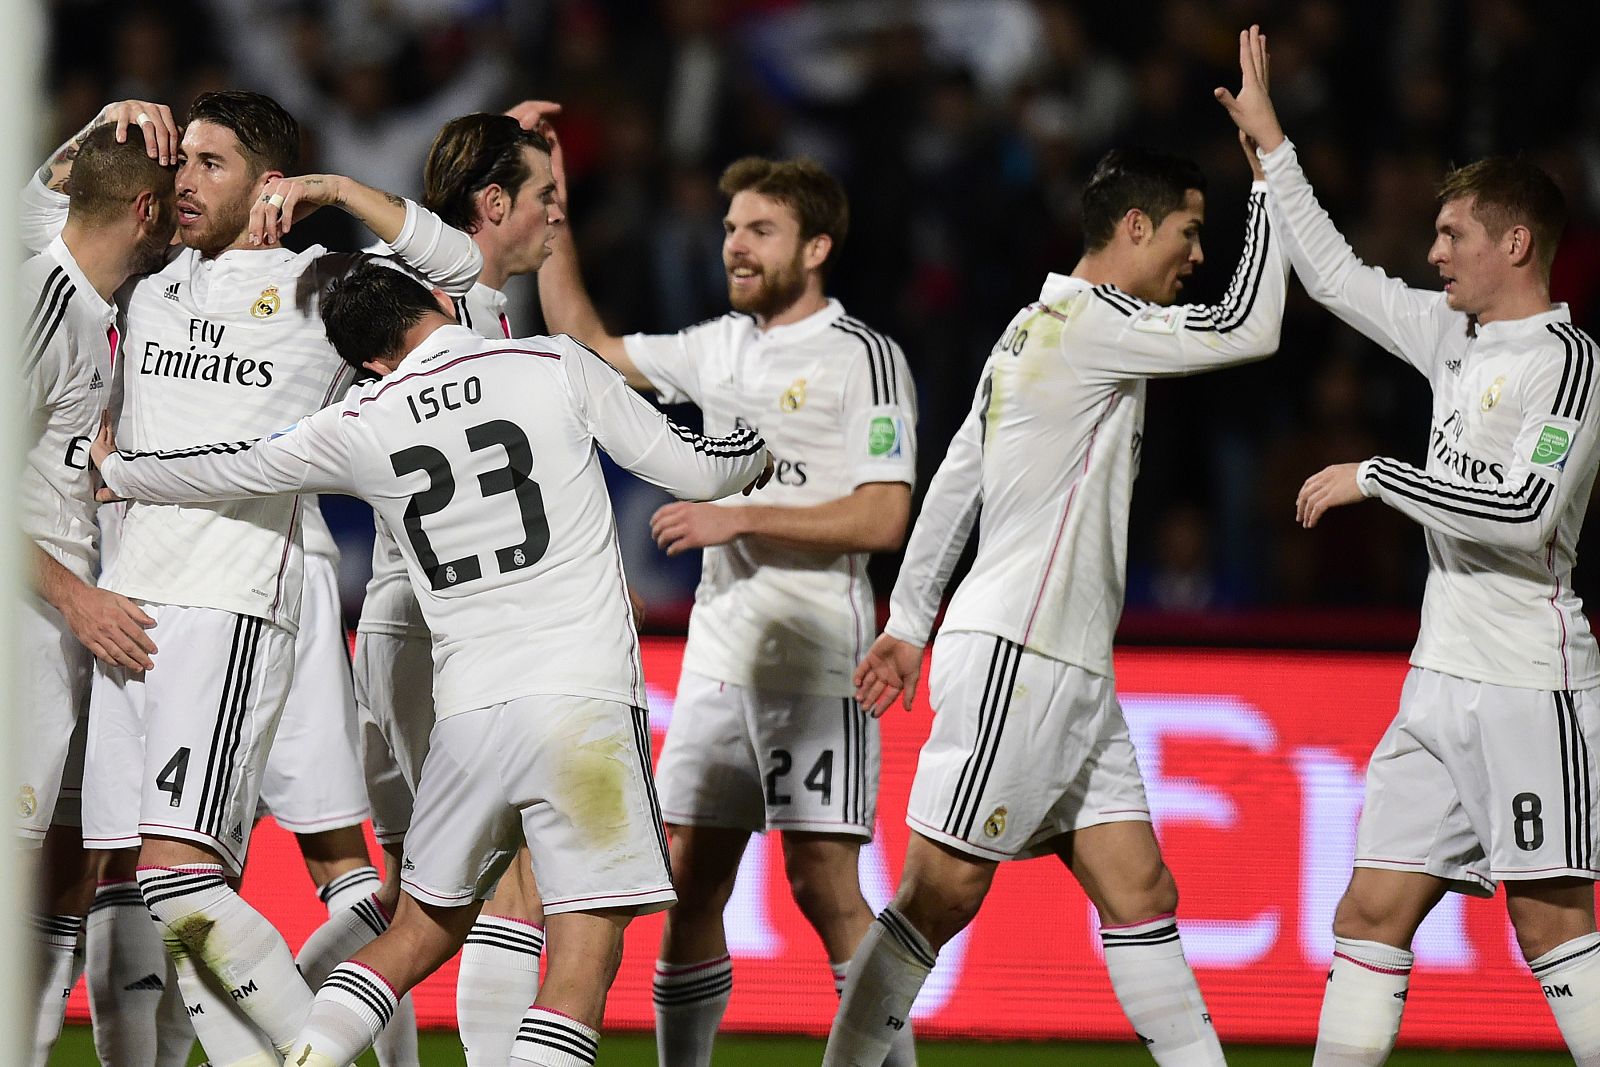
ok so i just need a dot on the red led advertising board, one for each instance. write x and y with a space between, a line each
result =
1253 762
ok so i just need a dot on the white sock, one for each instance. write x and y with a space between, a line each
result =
396 1044
231 940
903 1049
890 965
690 1001
349 888
1570 977
127 970
56 941
228 1036
549 1039
352 1007
1361 1008
498 979
1158 993
346 932
174 1033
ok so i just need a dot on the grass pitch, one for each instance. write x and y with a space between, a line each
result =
635 1050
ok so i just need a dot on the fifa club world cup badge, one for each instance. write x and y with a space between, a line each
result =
794 396
267 304
27 802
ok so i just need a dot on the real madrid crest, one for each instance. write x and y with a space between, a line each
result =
794 396
267 304
1491 395
995 825
27 802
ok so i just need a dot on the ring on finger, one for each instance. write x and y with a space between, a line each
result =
275 199
143 117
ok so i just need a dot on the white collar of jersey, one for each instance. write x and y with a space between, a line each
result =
441 340
1507 329
256 259
495 298
812 324
63 255
1057 286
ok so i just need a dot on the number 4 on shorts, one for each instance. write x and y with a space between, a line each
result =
170 780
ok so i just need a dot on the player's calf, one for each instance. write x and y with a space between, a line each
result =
1554 921
561 1028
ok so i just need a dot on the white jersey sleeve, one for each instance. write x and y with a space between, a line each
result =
1521 511
651 446
879 413
955 496
1152 341
672 361
442 254
42 215
1407 322
309 457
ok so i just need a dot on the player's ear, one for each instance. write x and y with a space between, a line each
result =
1136 224
447 306
817 250
492 204
1518 243
144 207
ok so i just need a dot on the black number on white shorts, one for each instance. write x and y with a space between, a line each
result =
1529 828
170 780
781 762
820 780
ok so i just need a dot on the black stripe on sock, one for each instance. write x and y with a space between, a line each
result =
909 939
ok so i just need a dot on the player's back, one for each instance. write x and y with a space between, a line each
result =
478 456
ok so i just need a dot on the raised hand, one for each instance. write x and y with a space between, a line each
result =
891 667
1251 110
285 201
160 128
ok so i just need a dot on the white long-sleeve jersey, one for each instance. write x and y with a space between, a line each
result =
390 606
232 348
1511 458
69 341
481 455
1050 450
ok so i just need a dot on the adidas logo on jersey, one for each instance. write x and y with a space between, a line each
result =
172 292
1453 366
96 382
150 982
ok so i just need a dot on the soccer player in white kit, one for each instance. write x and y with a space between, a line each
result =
223 341
1483 777
484 453
490 177
1029 754
120 218
765 734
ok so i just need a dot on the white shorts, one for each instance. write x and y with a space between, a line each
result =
759 759
178 752
1024 748
313 779
1478 784
53 676
571 776
394 705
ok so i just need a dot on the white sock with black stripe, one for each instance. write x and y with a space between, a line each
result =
890 966
127 970
690 999
354 1004
1361 1008
498 979
344 934
232 941
549 1039
903 1049
349 888
228 1036
1569 974
60 964
1158 992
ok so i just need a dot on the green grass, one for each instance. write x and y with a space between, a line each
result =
635 1050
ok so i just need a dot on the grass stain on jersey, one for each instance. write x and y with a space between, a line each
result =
592 779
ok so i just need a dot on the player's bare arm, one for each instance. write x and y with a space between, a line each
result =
562 296
161 137
871 519
1331 487
891 668
108 624
1252 110
285 201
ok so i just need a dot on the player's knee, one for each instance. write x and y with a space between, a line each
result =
1360 917
1145 896
939 913
824 897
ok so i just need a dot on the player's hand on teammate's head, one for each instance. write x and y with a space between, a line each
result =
532 114
761 479
283 202
1251 110
891 667
161 133
1330 487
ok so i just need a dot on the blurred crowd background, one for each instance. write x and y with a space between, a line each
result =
962 130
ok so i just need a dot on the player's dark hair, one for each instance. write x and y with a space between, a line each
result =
470 154
108 176
1508 192
367 312
268 134
1128 178
813 194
